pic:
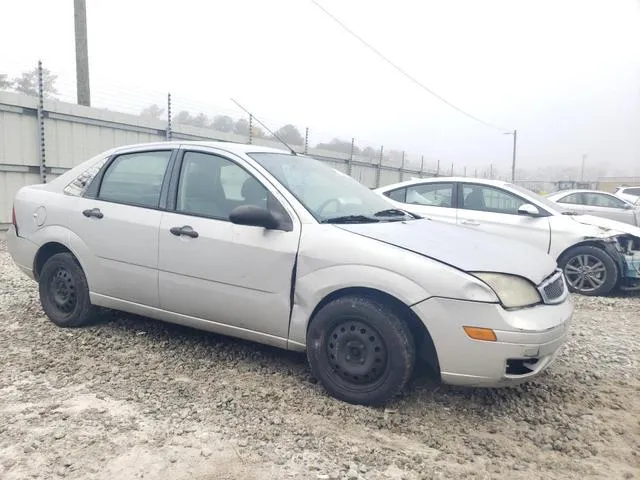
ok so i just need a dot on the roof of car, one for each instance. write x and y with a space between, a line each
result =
485 181
578 190
231 147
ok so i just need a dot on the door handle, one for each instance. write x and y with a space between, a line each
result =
93 212
470 222
185 230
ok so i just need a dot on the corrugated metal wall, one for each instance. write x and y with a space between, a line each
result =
74 133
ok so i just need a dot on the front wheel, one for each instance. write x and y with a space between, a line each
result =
589 270
360 350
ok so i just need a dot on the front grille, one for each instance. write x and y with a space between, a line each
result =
553 289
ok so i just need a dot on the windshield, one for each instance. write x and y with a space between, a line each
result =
329 195
548 204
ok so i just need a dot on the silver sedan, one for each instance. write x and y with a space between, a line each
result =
599 204
282 249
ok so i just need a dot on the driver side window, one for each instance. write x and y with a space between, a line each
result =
212 186
489 199
602 200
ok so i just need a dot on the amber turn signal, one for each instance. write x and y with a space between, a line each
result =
478 333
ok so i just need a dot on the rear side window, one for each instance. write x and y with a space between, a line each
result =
79 185
574 198
399 194
135 179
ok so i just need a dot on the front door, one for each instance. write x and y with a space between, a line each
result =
116 228
494 210
608 206
215 270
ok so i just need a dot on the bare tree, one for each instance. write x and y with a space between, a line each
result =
201 121
338 145
152 111
290 134
224 123
241 127
183 118
27 83
5 83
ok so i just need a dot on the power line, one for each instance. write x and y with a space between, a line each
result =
409 76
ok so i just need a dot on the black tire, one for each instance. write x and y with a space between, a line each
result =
64 292
360 350
599 269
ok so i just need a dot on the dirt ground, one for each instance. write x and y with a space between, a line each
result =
133 398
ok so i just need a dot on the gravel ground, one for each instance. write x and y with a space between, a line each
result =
133 398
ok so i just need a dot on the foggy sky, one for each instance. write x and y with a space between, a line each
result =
565 73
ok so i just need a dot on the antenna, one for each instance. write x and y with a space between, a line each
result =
293 152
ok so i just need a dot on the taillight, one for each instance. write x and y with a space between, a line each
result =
13 219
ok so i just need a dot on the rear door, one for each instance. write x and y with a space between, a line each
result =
434 200
575 201
495 210
116 226
234 275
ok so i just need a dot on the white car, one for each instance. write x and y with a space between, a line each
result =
630 194
282 249
596 254
599 204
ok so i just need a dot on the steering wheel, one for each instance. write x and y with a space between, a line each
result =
329 202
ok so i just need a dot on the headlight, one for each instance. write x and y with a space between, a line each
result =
513 291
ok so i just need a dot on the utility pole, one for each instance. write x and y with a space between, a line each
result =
584 158
82 52
513 161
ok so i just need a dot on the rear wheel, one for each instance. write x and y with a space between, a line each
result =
360 350
589 270
64 293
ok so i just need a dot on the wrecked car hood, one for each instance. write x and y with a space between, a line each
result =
606 227
461 247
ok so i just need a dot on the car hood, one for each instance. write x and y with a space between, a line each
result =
461 247
606 227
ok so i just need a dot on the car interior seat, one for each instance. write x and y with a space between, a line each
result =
475 200
203 193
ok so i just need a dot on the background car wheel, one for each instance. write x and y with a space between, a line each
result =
589 270
64 293
360 350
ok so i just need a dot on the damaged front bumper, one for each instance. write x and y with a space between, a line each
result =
627 253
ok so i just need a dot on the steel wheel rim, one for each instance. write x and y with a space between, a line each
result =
585 272
62 290
356 352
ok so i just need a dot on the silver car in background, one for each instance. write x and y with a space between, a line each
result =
282 249
599 204
630 194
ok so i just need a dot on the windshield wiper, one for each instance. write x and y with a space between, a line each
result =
351 219
395 212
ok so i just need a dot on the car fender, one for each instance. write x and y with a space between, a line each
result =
313 287
68 239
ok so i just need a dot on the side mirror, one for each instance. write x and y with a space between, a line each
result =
627 206
254 216
529 210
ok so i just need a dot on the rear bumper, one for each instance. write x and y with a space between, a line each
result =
528 340
22 251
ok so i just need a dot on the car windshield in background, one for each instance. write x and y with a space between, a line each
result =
329 195
548 204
